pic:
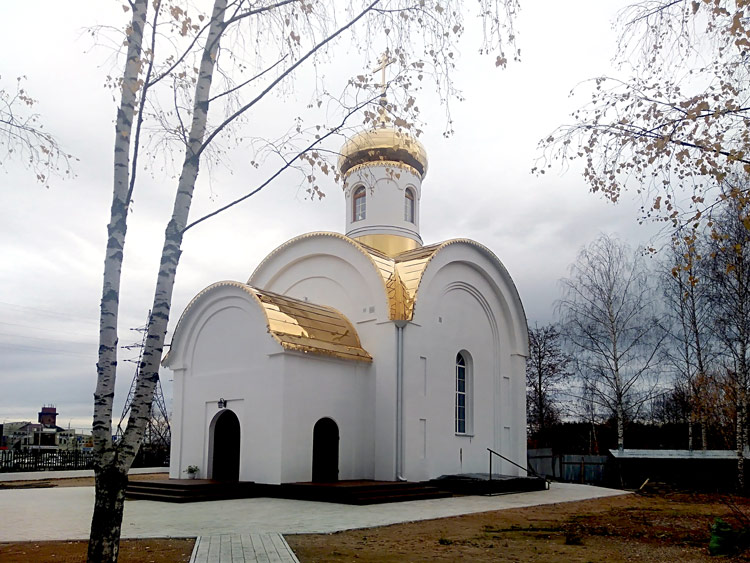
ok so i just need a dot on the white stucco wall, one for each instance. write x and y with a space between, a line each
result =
224 351
464 304
326 269
318 387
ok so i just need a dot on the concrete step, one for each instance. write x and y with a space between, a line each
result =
189 490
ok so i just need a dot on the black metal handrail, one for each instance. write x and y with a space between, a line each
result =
526 469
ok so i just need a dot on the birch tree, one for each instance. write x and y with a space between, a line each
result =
189 80
608 320
689 316
673 124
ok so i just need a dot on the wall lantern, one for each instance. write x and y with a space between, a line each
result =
222 403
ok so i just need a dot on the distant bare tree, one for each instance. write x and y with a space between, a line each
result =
609 323
690 316
674 406
589 411
546 369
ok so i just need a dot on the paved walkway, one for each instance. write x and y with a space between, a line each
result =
65 513
243 548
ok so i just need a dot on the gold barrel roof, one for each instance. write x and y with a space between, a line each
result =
300 326
383 144
306 327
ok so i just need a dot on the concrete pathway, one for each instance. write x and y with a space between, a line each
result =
243 548
65 513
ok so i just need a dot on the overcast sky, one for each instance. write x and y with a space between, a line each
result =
478 186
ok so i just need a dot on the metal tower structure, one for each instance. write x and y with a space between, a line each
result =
157 433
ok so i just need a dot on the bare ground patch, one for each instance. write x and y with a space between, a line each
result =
671 528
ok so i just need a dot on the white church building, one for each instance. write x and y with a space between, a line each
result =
364 355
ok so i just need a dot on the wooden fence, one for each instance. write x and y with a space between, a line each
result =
569 468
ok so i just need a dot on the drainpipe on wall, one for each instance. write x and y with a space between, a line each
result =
400 399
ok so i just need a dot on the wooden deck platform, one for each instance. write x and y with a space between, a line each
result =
357 492
189 490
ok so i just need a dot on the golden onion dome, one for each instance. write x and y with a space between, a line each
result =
381 144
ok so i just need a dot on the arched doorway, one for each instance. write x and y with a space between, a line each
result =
226 440
325 463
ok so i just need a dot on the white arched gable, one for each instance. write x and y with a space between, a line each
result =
314 259
226 312
463 253
225 327
479 297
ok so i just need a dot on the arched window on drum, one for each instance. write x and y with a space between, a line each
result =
409 205
359 204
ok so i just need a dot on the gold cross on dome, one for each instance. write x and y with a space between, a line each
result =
383 62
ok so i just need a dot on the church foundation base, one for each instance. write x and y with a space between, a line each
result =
360 492
355 492
482 484
189 490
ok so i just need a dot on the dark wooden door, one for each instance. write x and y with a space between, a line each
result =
325 466
226 461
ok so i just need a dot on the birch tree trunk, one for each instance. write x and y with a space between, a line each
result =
620 426
701 364
113 463
741 423
742 379
148 374
111 476
743 291
728 274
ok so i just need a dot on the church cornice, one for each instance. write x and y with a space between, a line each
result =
380 164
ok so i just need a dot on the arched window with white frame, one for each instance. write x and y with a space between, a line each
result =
464 393
359 204
409 205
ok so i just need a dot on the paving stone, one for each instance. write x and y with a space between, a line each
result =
67 513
